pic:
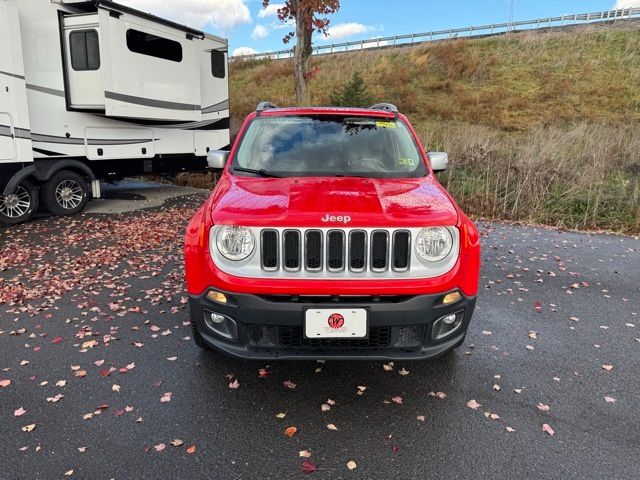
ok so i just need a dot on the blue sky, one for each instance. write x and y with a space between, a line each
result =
250 28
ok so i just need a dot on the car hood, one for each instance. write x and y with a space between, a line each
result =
332 202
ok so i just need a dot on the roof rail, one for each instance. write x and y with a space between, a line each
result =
389 107
262 106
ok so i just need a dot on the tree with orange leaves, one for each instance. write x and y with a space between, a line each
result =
309 17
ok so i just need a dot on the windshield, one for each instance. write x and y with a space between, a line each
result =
325 145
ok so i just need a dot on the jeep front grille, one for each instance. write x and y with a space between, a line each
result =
356 250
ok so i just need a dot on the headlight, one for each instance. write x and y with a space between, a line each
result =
235 243
434 243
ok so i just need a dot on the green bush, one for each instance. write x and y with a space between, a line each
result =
353 94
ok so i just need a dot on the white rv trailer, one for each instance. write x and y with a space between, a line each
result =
94 90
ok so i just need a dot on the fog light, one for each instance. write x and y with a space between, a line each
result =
450 298
449 319
217 297
221 325
446 325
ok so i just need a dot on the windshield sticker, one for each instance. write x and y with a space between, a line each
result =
407 162
386 124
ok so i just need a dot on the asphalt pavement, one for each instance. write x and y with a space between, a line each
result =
99 378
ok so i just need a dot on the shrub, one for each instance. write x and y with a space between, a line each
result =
353 94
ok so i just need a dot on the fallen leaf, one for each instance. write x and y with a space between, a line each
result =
166 397
82 449
486 332
421 418
331 426
61 383
19 412
115 388
308 467
281 415
542 407
397 399
172 359
68 473
289 384
29 428
548 429
304 453
473 404
191 449
607 367
325 407
177 442
55 398
509 429
351 465
403 372
496 387
5 383
262 373
610 399
290 431
361 390
159 447
388 366
234 385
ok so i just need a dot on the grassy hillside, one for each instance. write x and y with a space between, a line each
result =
540 127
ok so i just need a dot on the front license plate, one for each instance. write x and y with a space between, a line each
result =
335 323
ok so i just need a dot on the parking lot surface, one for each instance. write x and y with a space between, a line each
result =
99 377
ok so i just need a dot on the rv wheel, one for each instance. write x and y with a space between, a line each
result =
20 205
65 193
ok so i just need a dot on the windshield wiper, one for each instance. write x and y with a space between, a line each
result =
262 172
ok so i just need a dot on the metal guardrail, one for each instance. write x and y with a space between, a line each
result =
482 30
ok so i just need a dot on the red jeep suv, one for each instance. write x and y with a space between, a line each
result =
329 236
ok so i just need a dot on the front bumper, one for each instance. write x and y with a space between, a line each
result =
272 326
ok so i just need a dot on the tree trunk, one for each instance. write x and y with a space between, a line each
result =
301 55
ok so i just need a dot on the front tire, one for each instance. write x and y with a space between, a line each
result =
66 193
19 206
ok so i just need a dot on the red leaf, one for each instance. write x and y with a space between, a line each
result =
56 340
308 467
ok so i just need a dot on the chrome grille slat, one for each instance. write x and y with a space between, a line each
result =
315 250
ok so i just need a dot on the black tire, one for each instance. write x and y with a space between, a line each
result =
11 212
65 193
197 337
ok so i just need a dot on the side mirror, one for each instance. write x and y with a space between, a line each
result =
438 161
217 159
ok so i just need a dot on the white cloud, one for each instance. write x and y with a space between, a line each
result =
243 51
259 32
343 30
271 10
626 4
220 14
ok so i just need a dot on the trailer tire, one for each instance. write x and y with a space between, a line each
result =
65 193
13 209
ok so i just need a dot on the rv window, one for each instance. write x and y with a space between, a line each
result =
149 44
218 64
85 50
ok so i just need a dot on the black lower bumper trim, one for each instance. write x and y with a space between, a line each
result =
270 328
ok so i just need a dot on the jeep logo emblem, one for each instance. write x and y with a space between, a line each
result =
333 218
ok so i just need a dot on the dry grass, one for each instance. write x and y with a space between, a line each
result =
540 127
